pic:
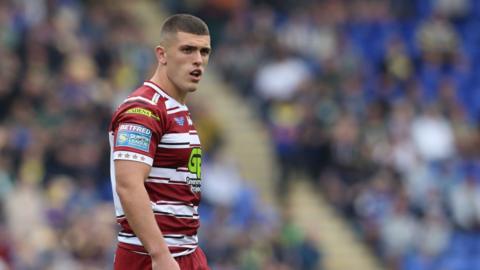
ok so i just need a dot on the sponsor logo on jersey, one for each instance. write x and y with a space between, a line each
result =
180 120
143 111
195 167
134 136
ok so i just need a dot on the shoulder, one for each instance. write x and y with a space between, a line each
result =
142 100
144 105
143 96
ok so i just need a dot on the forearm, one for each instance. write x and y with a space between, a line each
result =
137 208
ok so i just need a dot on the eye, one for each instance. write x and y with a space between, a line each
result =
205 51
187 49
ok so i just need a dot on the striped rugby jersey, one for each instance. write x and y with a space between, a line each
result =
153 128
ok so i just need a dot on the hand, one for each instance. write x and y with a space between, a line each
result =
164 262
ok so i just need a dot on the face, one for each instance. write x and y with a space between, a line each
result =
185 58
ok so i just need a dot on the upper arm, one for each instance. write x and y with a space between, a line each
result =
129 173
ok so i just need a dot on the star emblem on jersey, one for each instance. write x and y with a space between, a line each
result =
179 120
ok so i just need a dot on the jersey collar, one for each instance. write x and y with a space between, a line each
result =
159 90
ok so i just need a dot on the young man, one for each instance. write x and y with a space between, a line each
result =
156 157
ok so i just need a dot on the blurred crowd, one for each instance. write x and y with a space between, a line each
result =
379 103
65 65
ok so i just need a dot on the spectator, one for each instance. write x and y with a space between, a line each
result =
465 203
432 135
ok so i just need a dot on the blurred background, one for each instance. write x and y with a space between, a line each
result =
340 134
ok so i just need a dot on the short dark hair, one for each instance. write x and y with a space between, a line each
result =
184 23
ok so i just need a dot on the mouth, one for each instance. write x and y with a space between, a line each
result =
196 74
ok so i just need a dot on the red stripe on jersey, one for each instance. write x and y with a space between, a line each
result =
170 192
132 247
172 157
125 227
174 225
168 225
178 249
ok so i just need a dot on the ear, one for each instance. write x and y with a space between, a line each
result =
161 54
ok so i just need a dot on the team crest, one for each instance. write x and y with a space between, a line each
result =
180 120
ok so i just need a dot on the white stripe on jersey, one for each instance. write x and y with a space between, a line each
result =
127 155
173 203
116 199
159 181
180 240
172 174
139 98
165 181
156 97
179 140
180 109
179 211
191 138
172 104
175 146
175 138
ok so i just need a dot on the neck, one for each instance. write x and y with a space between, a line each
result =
161 79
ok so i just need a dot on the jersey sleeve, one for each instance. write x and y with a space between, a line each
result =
137 132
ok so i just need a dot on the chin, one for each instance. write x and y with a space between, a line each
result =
191 88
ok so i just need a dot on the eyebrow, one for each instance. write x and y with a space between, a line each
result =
201 48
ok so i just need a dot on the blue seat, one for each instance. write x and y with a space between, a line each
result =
457 263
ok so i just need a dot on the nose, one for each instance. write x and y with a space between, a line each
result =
198 59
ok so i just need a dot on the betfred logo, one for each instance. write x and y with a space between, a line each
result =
135 128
